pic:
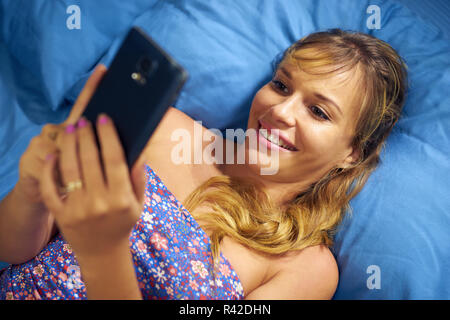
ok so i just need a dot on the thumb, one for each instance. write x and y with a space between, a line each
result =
86 94
139 181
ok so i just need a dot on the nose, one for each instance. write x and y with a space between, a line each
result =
283 112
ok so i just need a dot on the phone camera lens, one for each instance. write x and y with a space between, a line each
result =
145 65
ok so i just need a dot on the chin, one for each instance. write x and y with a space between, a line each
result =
261 163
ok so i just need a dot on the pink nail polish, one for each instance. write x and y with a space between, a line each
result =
49 157
70 128
82 123
102 119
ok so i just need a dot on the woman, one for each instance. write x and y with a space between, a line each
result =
331 104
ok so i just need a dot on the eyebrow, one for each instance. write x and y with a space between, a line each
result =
317 95
286 72
321 97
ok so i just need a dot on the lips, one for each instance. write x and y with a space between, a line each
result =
275 137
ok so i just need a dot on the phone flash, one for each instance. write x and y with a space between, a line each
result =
138 78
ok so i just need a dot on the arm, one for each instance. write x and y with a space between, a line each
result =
24 228
308 277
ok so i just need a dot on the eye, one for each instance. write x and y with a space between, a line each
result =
319 113
278 85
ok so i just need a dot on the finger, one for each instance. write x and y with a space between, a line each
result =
68 159
34 167
39 148
50 132
50 144
31 162
86 94
91 169
48 187
116 169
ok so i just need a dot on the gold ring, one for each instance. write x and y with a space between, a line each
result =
72 186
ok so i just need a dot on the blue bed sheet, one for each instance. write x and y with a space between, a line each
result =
396 245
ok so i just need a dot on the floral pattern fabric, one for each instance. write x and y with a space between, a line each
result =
171 254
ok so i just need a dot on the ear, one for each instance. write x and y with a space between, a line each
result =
352 157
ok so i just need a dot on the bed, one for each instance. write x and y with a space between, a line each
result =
396 244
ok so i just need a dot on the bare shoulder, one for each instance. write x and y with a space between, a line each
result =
177 129
170 152
173 119
176 123
311 274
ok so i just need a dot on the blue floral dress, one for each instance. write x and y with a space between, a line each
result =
171 254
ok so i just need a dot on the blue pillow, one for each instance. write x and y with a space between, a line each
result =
396 245
50 57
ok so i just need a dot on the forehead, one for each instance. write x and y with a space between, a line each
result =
344 88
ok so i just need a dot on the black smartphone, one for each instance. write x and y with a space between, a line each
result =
136 91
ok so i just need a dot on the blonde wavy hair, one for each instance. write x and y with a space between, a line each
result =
243 211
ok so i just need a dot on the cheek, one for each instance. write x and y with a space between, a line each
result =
260 104
320 141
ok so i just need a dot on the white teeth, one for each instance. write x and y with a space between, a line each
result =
274 140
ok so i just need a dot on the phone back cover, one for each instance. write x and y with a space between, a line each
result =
136 109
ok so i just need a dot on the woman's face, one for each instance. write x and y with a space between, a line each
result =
315 116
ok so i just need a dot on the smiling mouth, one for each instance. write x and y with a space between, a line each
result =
275 139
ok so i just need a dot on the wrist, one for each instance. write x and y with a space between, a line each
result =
116 252
110 275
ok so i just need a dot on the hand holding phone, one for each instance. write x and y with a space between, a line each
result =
49 141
